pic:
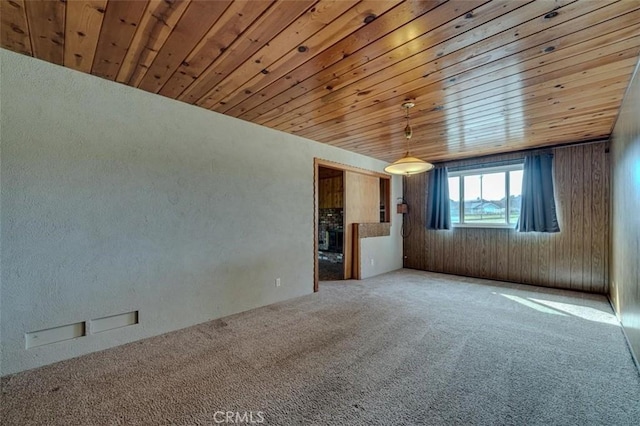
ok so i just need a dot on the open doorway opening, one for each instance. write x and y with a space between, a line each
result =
330 224
347 202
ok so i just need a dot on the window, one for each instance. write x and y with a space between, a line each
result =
488 197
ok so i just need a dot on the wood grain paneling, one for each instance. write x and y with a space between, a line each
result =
189 30
156 25
283 44
83 24
263 29
575 258
625 207
118 28
14 31
487 76
361 205
331 192
46 27
214 45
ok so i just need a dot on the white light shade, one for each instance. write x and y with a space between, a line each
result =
408 166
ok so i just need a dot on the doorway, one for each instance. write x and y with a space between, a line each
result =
345 197
330 224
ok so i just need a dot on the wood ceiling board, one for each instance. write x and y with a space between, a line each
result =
347 23
475 144
287 42
14 30
470 139
516 142
518 139
429 147
46 29
278 93
463 101
473 138
518 123
199 17
499 112
555 62
476 69
621 50
505 93
460 72
597 134
468 111
158 21
231 25
570 95
560 77
532 112
82 30
260 33
360 95
331 78
425 48
512 121
118 28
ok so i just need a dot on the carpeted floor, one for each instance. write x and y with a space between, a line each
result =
407 347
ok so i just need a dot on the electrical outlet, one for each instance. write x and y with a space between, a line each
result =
277 282
372 262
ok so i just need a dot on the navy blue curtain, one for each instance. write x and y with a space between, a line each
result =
538 209
438 214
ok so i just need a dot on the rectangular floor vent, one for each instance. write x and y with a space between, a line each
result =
56 334
114 321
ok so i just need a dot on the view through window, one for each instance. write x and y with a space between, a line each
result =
486 197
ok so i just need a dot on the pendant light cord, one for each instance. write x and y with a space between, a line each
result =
408 131
405 230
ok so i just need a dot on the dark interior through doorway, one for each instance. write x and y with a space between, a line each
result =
330 224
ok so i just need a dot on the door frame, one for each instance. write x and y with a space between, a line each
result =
317 163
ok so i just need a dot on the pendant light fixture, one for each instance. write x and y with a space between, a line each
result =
408 165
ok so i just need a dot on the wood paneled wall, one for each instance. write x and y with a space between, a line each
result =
625 242
361 205
331 192
575 258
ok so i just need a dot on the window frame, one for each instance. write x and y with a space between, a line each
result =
475 171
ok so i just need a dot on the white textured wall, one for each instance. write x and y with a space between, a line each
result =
115 200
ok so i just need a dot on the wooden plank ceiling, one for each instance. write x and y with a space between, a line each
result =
486 76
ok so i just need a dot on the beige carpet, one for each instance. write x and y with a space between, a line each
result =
407 347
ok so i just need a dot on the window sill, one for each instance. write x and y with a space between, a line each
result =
484 225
